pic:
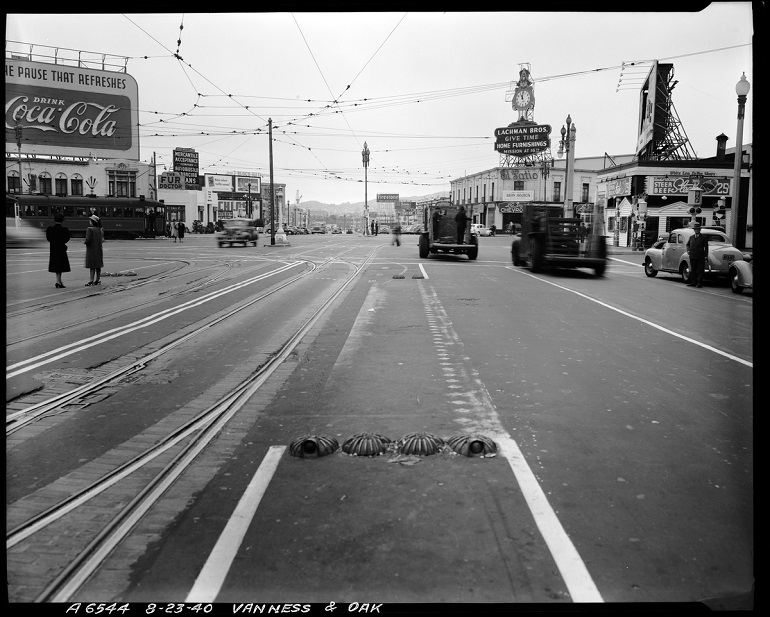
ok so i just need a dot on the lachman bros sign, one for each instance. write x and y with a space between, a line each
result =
71 111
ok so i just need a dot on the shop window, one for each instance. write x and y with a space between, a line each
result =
518 185
611 223
557 191
584 195
122 183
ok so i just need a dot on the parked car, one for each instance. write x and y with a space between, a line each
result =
237 231
480 230
741 274
317 229
672 254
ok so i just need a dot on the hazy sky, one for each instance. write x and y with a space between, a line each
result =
426 91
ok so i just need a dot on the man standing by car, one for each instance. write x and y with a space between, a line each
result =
698 248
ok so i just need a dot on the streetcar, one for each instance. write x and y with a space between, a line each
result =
121 217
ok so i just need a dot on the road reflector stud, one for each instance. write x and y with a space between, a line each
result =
366 444
472 445
313 446
421 444
418 276
398 276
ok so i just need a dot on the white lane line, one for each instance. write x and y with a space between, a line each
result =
479 415
212 576
424 273
641 319
571 567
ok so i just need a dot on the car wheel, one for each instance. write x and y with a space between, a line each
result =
734 284
648 269
686 272
221 244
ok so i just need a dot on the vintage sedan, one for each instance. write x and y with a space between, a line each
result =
673 257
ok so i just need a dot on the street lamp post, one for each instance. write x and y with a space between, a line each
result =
742 90
568 143
365 154
19 130
545 168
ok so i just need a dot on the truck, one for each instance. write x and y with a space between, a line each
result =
439 233
548 239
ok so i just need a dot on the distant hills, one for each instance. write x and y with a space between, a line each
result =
358 207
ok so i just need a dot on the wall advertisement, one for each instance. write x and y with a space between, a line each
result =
70 111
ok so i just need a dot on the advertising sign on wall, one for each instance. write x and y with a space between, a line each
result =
248 184
217 182
664 185
518 195
523 140
186 164
387 196
71 111
618 187
170 180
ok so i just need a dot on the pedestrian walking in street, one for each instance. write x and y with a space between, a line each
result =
168 230
94 256
376 228
58 236
492 230
396 235
582 232
181 230
372 227
698 248
174 230
462 222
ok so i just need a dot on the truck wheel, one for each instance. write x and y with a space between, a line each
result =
473 252
599 270
648 269
423 247
536 263
515 254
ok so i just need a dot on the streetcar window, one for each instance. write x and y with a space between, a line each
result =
81 211
128 212
105 211
29 211
42 210
68 210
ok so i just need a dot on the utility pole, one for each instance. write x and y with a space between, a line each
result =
272 185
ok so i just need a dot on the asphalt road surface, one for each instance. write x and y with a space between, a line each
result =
620 410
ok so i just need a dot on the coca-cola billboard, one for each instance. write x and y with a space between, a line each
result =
71 111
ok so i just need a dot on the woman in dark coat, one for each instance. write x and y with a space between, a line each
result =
58 236
181 230
94 257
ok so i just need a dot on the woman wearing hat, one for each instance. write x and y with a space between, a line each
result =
58 236
94 257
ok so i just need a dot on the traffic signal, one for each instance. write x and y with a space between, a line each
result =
694 210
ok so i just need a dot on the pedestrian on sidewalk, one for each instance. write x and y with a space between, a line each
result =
181 230
58 236
174 230
94 255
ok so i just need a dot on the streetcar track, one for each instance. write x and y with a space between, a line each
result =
200 431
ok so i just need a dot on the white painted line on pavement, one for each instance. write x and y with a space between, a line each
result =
424 273
212 576
641 319
571 567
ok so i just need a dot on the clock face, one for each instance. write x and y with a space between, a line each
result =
522 99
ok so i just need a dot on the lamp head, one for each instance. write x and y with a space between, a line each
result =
742 87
